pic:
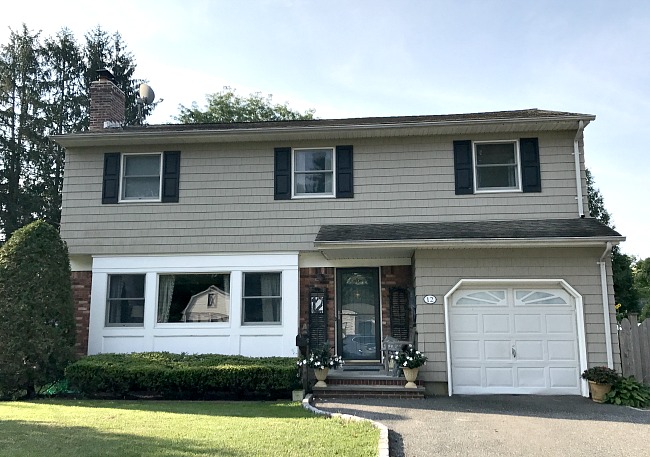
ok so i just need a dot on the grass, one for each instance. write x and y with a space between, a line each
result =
56 428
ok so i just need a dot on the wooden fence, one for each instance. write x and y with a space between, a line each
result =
634 341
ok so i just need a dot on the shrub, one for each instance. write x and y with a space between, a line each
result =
601 375
36 314
629 392
182 376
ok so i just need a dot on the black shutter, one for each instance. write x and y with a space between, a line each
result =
463 167
171 176
282 170
530 171
111 180
344 172
399 313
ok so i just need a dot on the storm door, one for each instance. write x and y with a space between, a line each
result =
358 318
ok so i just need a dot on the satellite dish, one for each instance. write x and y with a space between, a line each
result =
146 94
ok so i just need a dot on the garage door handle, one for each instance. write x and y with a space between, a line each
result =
514 352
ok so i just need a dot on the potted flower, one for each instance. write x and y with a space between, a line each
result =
600 380
409 360
321 360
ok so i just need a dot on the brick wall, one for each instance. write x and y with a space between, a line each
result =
106 104
324 278
81 285
396 276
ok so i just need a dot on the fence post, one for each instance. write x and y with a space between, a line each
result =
644 349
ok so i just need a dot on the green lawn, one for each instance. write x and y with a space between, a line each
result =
54 428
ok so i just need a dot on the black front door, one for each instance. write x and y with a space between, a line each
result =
358 319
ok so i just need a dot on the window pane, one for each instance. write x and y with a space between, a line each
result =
313 183
142 165
141 187
125 301
194 298
495 153
313 160
262 301
497 177
262 309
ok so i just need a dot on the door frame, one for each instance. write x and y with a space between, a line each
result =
378 316
580 319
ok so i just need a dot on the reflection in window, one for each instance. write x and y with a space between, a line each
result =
125 301
496 166
313 171
537 297
262 298
141 177
194 298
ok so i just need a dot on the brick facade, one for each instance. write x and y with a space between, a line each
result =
106 104
81 286
325 278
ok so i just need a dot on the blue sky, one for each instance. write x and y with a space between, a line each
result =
383 58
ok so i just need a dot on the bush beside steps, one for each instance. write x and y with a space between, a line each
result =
183 376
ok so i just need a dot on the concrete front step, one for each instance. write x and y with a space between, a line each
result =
334 390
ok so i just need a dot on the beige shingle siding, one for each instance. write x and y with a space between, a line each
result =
226 197
437 271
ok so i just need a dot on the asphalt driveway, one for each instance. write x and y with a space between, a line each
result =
504 425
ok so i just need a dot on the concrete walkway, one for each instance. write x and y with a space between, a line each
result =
504 425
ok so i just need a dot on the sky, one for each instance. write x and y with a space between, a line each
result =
360 58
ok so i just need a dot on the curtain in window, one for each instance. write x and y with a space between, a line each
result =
165 293
116 290
270 287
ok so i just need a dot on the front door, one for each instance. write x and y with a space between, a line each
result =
358 319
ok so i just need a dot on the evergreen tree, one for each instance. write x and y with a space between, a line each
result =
37 329
64 113
22 138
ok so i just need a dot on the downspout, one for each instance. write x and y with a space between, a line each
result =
576 157
603 285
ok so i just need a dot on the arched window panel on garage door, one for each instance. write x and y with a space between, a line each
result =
483 298
530 297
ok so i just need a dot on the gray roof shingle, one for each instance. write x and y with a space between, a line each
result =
476 230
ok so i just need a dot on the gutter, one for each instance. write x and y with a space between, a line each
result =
469 243
576 157
605 297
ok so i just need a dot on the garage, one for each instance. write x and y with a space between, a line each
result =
514 339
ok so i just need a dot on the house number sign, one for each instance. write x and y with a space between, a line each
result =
429 299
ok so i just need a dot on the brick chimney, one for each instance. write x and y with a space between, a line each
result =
106 102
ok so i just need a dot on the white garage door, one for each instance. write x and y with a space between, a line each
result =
514 341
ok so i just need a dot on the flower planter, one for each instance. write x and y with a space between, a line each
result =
321 375
411 374
598 391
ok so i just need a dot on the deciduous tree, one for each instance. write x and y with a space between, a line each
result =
226 106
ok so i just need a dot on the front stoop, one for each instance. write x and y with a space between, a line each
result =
366 384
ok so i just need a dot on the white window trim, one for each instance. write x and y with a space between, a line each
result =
517 165
293 174
108 298
244 297
182 325
140 200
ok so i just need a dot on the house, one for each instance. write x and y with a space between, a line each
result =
465 233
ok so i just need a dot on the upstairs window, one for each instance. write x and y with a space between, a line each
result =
496 166
141 177
313 172
150 177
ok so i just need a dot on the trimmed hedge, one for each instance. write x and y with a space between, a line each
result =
182 376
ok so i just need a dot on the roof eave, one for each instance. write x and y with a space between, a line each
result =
126 137
471 243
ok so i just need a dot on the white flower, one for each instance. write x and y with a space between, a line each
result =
405 363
